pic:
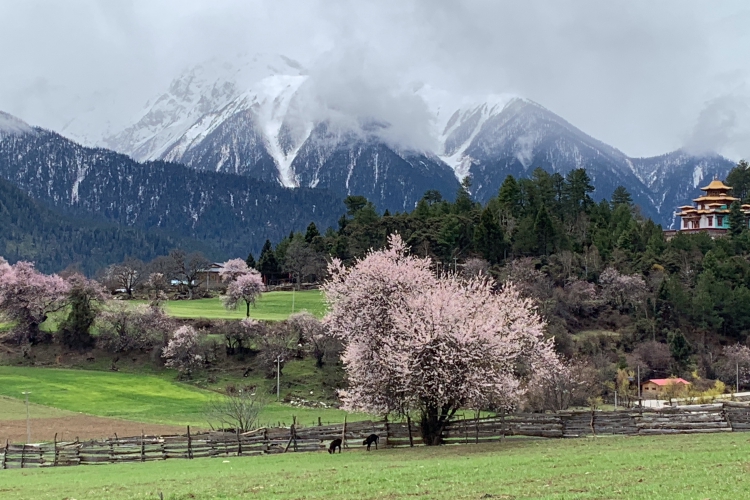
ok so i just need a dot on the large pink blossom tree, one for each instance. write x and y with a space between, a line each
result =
28 296
418 344
245 288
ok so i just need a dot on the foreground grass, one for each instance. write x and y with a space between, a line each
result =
676 467
143 398
271 306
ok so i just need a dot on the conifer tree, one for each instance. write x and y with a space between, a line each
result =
489 239
545 231
737 222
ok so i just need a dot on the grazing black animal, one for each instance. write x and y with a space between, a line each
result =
336 443
372 438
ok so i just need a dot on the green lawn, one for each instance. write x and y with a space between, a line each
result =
15 409
143 398
675 467
272 306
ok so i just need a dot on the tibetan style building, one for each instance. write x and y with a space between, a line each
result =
711 211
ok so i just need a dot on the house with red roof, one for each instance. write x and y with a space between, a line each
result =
655 387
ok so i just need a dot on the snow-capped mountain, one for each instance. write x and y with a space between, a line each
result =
233 214
200 91
253 117
514 136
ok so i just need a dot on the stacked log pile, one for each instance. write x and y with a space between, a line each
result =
683 420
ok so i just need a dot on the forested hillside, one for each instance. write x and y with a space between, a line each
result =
30 231
612 288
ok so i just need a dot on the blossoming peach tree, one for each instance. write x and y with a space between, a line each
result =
418 344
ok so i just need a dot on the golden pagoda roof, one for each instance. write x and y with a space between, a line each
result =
722 197
716 184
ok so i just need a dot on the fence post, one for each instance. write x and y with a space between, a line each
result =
190 444
23 454
476 428
265 440
343 435
54 463
408 424
143 446
593 417
5 455
387 431
502 424
239 444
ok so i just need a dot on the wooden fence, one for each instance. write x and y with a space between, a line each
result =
719 417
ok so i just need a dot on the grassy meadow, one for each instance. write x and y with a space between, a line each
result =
271 306
155 398
675 467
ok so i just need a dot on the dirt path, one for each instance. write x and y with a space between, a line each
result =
81 426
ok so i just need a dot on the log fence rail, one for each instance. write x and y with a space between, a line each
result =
709 418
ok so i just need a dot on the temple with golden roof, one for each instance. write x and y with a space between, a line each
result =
710 212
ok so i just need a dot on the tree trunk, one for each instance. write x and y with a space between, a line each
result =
248 308
432 424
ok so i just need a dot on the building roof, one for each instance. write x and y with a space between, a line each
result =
716 184
667 381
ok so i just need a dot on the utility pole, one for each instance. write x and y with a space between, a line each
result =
278 373
28 422
639 385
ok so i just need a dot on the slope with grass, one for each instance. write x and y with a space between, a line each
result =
143 398
675 467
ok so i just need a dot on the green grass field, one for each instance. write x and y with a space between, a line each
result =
675 467
15 409
271 306
143 398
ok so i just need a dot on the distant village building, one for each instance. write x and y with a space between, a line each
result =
710 212
654 388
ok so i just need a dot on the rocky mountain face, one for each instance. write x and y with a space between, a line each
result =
253 118
233 214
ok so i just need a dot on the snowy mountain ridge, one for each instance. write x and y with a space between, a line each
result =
259 117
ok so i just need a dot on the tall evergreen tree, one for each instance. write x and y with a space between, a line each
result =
545 231
620 196
737 222
463 198
509 196
311 233
268 265
489 239
250 261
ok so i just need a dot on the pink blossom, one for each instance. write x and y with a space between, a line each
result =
417 343
245 288
28 296
181 352
233 269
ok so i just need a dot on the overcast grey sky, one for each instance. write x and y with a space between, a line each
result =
644 76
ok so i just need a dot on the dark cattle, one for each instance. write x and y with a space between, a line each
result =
336 443
372 438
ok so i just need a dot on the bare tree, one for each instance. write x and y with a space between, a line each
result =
127 276
314 337
235 409
302 261
475 267
187 268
